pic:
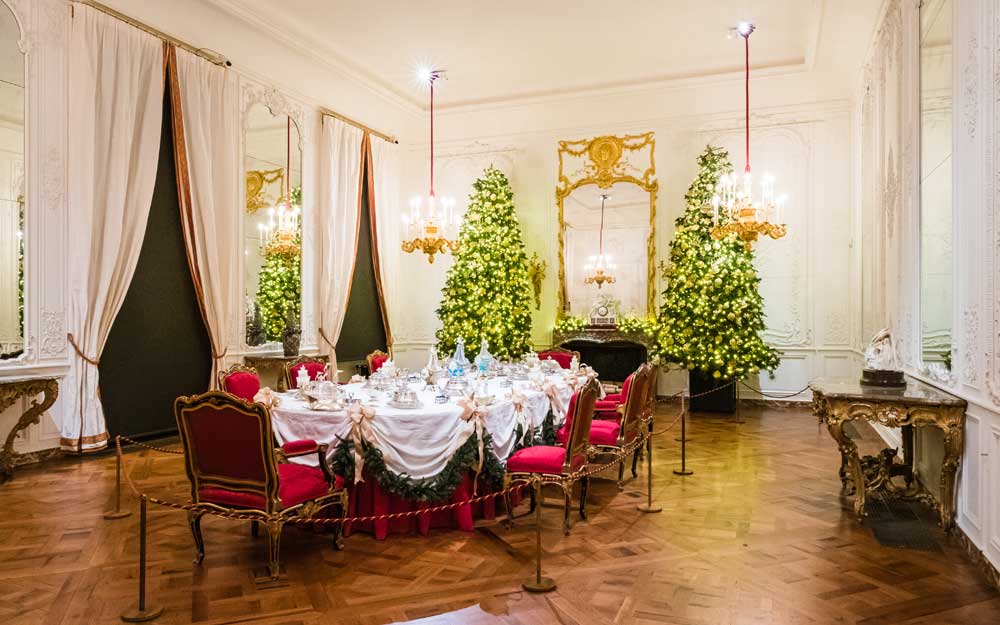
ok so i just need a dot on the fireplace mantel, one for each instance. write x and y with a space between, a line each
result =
601 334
614 354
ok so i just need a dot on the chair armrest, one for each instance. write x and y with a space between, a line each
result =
292 449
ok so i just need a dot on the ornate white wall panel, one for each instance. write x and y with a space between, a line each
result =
887 135
44 25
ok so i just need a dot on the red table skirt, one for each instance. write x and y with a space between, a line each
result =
368 499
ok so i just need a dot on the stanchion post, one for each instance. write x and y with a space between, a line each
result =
684 414
648 507
538 583
117 512
142 612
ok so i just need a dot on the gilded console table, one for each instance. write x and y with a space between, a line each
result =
838 401
10 391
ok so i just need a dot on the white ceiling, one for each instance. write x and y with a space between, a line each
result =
505 51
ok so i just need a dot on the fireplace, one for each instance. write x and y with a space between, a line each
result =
612 353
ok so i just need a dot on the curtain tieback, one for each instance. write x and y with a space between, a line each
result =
220 356
79 352
328 341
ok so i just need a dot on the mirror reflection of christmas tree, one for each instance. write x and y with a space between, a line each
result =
279 283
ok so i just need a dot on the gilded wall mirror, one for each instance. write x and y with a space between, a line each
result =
936 231
272 235
606 201
12 187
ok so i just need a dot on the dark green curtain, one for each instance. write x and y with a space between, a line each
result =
363 331
158 347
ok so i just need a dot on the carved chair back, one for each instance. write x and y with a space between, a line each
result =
228 449
313 367
240 380
635 403
582 416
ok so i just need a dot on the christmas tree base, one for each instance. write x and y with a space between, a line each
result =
711 395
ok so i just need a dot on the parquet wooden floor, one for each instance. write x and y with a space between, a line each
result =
758 535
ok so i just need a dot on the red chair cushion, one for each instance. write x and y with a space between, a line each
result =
377 362
604 433
296 483
564 359
243 384
312 368
305 445
612 398
541 459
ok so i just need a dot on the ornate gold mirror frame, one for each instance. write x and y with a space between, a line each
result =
606 162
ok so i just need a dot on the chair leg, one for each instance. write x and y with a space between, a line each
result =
584 487
635 462
194 521
533 501
621 475
273 546
255 528
567 504
338 531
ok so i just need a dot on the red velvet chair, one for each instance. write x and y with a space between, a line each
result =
563 356
608 408
609 436
233 467
313 367
376 359
559 462
241 381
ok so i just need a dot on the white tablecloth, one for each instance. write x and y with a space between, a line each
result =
418 442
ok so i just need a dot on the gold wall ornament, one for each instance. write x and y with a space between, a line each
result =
257 182
536 272
604 161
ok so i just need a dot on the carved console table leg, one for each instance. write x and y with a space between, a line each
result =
849 452
953 445
9 393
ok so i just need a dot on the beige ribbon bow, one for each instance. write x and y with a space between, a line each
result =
472 411
361 417
552 392
267 397
521 419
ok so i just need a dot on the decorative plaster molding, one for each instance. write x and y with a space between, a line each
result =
970 88
970 339
277 102
53 333
53 170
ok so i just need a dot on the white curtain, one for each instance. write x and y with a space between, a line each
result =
116 82
385 185
206 100
337 220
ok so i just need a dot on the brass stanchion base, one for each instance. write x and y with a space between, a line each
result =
545 584
111 515
135 615
648 508
683 472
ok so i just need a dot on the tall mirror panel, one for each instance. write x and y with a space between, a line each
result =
272 238
12 187
936 240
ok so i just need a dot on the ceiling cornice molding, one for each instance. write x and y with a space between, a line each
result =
328 58
763 117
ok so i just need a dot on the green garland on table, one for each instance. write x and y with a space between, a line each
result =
437 488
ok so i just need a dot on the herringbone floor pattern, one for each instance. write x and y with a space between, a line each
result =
758 535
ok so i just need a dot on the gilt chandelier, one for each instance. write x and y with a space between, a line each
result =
734 209
600 267
431 219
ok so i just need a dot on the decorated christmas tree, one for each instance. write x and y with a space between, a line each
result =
712 313
487 293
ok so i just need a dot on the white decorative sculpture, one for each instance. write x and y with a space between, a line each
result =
881 362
